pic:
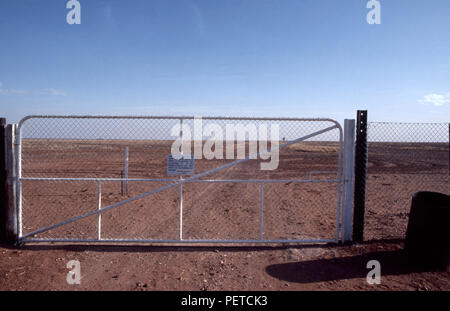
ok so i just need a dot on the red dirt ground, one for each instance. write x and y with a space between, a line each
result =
217 211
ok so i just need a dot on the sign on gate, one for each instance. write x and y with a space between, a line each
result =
182 166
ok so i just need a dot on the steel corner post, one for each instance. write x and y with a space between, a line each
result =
361 157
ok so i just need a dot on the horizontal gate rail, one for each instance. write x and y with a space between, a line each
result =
173 118
184 241
244 181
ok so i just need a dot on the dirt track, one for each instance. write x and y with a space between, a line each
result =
216 211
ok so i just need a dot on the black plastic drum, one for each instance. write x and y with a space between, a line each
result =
428 234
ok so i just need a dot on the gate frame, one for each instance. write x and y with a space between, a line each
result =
343 184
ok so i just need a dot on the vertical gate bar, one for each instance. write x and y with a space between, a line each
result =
18 147
181 211
125 185
99 206
339 187
181 184
261 211
347 206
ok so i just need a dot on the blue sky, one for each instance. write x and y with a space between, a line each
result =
292 58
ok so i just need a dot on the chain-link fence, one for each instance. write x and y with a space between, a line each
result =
403 158
72 166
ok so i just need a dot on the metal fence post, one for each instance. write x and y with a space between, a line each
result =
361 155
347 210
11 220
3 183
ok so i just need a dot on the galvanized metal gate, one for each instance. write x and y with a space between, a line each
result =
102 179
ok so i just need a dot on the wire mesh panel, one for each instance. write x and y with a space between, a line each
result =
300 211
151 217
221 211
403 158
46 202
255 179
